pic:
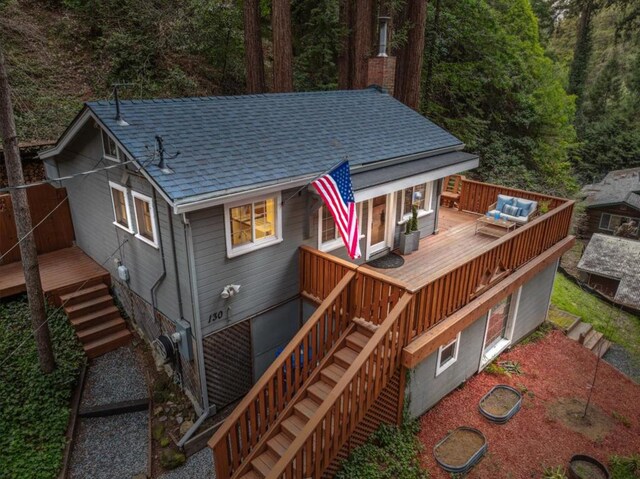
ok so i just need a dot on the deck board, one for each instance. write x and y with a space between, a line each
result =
455 243
60 272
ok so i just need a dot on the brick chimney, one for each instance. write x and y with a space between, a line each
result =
382 68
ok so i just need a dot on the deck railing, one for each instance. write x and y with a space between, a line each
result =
335 420
235 439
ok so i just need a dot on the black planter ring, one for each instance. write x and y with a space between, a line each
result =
505 417
573 474
473 460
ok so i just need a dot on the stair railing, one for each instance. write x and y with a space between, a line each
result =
346 405
242 430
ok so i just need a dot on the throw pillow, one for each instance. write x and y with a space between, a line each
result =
525 206
504 200
511 210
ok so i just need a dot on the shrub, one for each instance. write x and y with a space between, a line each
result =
34 407
625 467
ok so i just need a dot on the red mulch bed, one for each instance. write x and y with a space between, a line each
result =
552 368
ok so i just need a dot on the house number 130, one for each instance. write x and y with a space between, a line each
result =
215 315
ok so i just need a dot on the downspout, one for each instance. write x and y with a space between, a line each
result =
175 263
163 275
188 240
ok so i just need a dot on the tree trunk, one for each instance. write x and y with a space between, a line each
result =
362 42
431 56
282 46
409 63
345 57
24 226
253 57
581 53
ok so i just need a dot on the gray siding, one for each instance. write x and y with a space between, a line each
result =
424 389
92 213
534 303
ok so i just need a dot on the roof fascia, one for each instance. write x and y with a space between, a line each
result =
208 201
71 131
617 203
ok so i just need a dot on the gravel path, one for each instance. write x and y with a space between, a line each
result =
112 447
198 466
623 361
114 377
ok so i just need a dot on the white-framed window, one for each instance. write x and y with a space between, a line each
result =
328 235
447 354
121 209
418 195
147 229
110 149
253 224
609 222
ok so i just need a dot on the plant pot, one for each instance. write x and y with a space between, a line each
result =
586 467
406 244
500 404
460 450
416 240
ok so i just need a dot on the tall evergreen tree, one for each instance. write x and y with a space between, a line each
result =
254 59
282 46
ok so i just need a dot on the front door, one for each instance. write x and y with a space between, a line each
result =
378 216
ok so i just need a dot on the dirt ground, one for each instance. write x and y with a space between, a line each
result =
549 429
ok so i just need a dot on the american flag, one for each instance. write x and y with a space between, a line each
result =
337 193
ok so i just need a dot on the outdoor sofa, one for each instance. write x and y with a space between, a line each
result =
513 209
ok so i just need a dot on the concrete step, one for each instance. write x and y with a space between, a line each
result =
332 373
602 347
591 339
579 331
319 391
101 329
84 294
95 318
88 307
107 343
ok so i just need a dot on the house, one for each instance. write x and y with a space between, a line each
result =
611 266
613 202
218 237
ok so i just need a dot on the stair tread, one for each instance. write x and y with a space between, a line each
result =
307 407
592 338
279 443
358 339
333 372
347 355
90 289
251 475
83 333
320 389
368 328
293 425
602 350
79 320
106 340
264 462
578 330
88 304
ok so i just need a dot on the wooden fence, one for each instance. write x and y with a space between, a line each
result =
55 232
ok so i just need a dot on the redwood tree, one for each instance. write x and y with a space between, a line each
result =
410 56
282 46
253 57
345 57
362 42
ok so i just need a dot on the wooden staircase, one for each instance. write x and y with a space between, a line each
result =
590 338
96 319
295 420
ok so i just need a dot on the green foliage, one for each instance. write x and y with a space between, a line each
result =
494 87
390 452
554 473
414 218
616 325
621 418
34 407
625 467
538 334
171 459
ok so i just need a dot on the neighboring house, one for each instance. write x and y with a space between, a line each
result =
613 202
612 266
209 210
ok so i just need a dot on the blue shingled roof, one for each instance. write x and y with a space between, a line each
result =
241 142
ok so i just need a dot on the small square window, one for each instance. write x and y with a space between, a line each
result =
447 354
419 196
328 234
605 219
120 202
145 218
109 148
252 225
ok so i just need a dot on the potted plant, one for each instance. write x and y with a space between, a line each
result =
414 227
406 239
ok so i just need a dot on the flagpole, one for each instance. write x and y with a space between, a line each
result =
346 158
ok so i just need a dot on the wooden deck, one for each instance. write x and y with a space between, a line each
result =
61 271
456 243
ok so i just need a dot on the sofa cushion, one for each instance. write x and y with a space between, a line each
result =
511 210
504 200
527 206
